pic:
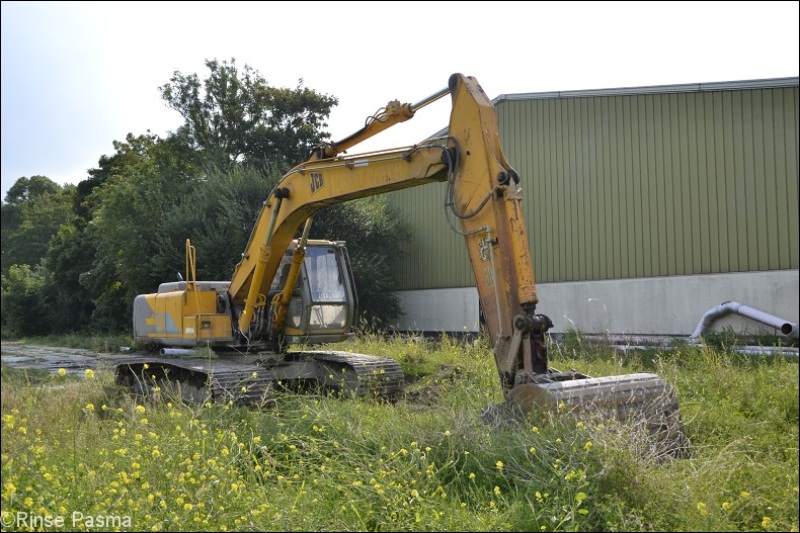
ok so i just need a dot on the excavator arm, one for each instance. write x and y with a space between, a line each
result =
483 197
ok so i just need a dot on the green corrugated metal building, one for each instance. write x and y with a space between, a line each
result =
665 200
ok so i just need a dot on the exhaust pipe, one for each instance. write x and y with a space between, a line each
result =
784 326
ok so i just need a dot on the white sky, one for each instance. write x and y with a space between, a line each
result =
78 75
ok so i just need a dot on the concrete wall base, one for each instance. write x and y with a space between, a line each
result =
670 305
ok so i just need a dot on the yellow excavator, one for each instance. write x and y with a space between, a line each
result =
289 290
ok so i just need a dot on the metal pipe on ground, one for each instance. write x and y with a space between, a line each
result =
784 326
176 351
746 350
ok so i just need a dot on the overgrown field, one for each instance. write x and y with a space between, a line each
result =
83 455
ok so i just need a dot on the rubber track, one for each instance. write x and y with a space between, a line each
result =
244 384
374 375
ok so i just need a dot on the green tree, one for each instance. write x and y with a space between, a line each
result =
218 217
235 116
127 154
33 210
26 191
25 308
71 255
128 223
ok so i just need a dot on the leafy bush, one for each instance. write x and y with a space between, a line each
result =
24 303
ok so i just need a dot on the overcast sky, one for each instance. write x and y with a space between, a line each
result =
77 76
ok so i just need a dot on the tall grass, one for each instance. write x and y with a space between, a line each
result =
78 448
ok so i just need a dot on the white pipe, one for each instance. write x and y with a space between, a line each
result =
176 351
784 326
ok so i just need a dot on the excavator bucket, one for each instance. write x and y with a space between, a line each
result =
640 399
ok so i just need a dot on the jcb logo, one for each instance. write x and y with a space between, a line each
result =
316 181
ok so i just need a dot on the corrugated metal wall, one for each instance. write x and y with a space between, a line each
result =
637 185
435 257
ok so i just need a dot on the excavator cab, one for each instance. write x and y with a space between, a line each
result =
323 303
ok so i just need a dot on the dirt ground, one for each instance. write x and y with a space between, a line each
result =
50 358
